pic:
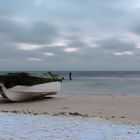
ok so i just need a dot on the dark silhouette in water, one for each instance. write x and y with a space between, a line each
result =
70 76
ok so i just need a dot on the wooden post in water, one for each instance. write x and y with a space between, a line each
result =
70 76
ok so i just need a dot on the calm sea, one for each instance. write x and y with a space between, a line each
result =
101 82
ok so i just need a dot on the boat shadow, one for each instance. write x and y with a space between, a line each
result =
46 98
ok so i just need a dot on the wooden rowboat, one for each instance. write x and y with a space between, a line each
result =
22 93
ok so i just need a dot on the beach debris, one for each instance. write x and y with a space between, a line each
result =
15 111
12 111
78 114
35 113
4 111
45 113
75 114
123 117
60 113
63 108
70 113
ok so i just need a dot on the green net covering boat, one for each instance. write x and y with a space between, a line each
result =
27 78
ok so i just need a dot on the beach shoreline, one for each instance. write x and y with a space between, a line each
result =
122 109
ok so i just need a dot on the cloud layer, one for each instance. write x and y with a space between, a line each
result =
69 35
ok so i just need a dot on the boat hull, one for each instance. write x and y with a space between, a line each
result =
23 93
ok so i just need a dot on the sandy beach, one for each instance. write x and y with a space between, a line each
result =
122 109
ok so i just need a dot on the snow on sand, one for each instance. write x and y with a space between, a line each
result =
45 127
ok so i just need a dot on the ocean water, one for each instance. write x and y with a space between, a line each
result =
101 83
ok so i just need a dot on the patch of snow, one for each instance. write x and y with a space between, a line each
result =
43 127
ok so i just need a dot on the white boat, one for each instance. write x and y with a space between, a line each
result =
22 93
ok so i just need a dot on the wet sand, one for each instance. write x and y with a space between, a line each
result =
119 109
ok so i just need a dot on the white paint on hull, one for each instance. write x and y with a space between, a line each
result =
22 93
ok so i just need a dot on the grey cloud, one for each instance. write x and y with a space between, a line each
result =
136 29
90 14
10 51
116 44
55 49
33 33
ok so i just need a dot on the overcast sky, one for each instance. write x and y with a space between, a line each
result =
69 35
